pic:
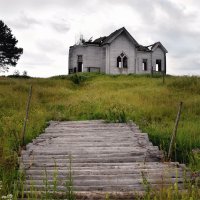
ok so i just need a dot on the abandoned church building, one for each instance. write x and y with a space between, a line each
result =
118 53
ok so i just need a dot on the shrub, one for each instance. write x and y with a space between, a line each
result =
77 79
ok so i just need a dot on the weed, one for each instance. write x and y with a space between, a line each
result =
147 186
55 179
69 183
195 159
77 79
107 197
116 115
46 184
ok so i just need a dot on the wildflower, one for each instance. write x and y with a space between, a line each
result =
8 197
176 186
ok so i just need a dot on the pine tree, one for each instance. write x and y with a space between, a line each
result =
9 53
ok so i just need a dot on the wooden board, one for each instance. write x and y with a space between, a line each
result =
105 157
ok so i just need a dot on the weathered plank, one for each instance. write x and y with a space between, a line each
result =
105 157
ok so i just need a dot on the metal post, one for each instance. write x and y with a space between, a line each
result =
27 113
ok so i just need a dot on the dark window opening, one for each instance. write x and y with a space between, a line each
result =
158 66
119 62
80 66
125 62
122 61
80 63
144 65
74 69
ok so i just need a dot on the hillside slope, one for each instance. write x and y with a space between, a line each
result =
147 101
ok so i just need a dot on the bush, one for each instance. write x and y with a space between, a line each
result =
78 79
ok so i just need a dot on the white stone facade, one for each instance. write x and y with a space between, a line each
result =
118 53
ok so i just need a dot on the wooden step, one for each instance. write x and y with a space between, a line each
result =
106 188
104 158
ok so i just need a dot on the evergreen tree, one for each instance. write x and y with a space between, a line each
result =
9 53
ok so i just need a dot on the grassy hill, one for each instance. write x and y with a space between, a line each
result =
143 99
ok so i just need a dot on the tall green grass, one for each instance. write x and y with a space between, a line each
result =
143 99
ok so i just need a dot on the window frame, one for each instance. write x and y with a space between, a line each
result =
121 59
119 62
158 65
125 61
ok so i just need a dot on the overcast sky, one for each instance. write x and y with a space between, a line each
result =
46 28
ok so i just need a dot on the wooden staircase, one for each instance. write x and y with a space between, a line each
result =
112 158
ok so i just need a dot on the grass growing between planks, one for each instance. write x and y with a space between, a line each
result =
190 190
143 99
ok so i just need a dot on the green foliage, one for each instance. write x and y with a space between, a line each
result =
107 197
16 74
78 79
195 159
9 52
19 76
145 100
147 186
69 183
116 115
60 77
186 83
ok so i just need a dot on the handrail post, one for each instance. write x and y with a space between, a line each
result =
173 138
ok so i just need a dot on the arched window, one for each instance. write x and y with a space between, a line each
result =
125 62
122 61
119 62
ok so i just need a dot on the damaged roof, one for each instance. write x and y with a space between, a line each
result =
110 38
99 40
152 47
143 48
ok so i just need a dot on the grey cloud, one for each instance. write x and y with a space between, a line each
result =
51 45
144 8
147 9
60 26
177 32
173 27
181 40
41 4
30 59
191 62
23 21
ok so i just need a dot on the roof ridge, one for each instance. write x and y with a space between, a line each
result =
112 36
